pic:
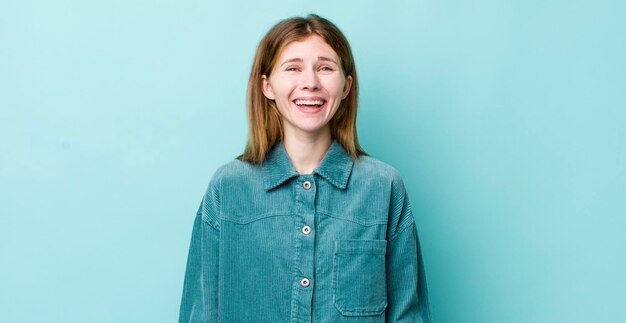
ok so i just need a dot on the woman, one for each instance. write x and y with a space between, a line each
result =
304 226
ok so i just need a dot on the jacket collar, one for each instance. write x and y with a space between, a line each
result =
335 167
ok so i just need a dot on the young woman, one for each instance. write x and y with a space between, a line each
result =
304 226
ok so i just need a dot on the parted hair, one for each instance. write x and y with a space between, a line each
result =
264 120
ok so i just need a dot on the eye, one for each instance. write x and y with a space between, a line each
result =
291 69
326 68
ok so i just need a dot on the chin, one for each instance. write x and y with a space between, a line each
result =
313 129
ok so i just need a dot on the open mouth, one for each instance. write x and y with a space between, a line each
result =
312 105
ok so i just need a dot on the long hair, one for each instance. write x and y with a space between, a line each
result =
264 121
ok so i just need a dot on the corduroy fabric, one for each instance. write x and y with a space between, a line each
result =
251 260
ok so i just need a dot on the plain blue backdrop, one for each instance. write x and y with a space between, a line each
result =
506 119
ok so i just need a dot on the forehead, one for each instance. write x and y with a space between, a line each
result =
311 46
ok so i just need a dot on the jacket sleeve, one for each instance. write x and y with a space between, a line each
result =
200 291
407 293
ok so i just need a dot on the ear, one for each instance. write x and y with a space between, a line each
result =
347 87
267 88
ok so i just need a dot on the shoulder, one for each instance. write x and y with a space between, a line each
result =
213 196
233 172
387 179
377 171
235 169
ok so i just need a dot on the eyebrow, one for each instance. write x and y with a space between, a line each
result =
299 60
328 59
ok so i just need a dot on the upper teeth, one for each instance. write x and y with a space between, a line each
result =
309 102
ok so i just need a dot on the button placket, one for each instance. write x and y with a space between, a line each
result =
306 192
307 186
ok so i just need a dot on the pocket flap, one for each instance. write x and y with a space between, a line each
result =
361 246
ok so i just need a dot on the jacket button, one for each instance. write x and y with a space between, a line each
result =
306 185
306 229
304 282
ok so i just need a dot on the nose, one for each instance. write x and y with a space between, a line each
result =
310 80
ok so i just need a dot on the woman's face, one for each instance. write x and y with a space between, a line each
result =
307 84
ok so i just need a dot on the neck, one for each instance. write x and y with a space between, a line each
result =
306 151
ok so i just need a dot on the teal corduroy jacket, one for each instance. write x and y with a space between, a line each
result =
337 245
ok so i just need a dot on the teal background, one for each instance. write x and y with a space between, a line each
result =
506 119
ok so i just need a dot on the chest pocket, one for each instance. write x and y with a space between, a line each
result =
359 277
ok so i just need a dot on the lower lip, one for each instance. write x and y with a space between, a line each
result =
310 109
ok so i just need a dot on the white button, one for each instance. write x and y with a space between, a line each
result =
306 185
306 229
304 282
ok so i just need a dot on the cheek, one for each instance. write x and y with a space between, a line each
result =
283 88
336 86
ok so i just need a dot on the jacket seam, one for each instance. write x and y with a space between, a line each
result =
401 230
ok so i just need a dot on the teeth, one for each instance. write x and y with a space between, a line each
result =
309 102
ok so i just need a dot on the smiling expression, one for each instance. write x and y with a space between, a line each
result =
307 84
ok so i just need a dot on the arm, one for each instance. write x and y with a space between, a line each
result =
407 292
200 295
406 281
